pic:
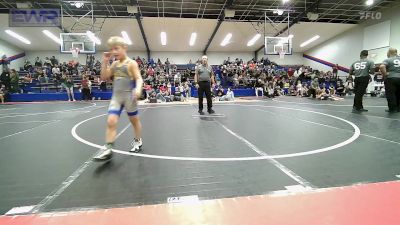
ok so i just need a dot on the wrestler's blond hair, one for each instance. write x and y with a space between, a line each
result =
115 41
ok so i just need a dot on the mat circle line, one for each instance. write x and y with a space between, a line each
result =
354 137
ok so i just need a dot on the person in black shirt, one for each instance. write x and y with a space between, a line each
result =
340 89
5 79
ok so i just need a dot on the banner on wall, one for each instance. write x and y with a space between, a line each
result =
34 17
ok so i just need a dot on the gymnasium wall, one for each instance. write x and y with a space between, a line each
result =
11 50
345 48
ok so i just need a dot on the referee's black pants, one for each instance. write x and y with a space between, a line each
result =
205 87
392 88
360 85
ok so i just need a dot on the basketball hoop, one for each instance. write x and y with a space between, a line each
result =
75 53
278 46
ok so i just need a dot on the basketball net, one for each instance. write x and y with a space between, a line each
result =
282 54
75 53
280 50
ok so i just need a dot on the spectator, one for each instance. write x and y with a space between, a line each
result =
97 67
27 65
349 85
286 87
163 95
151 62
148 90
169 87
2 93
340 89
56 74
102 84
332 90
167 66
53 60
230 96
269 90
187 74
44 78
322 94
14 81
259 86
55 71
314 88
335 70
299 89
80 69
186 89
5 79
63 81
47 62
38 62
305 91
28 78
290 72
69 86
178 94
150 71
177 78
139 61
219 91
85 88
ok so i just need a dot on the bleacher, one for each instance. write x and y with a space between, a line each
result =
52 90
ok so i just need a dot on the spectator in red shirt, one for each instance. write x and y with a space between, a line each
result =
148 89
290 72
252 66
163 88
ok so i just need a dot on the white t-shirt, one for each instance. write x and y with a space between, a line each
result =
55 70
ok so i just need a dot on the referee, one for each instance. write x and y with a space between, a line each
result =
361 69
390 69
203 78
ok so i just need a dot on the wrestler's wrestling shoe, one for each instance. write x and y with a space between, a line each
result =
136 145
104 155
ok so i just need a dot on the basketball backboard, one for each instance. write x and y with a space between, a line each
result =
70 41
276 45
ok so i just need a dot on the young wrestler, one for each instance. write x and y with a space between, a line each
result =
127 88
